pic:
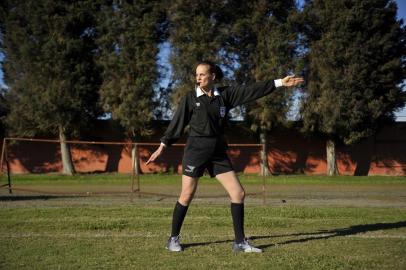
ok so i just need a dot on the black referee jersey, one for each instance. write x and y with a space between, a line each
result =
206 115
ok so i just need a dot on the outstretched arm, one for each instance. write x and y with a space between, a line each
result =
238 95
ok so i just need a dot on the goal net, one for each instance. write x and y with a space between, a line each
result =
35 166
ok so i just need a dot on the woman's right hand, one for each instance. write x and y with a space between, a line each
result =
156 154
292 80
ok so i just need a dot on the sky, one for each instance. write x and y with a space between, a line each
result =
401 115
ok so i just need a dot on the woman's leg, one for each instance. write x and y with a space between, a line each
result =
189 185
230 182
232 185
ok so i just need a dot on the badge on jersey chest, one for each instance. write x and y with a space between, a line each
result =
222 111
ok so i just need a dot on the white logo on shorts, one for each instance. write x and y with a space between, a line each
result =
190 168
197 104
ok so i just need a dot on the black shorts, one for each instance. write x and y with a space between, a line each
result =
205 153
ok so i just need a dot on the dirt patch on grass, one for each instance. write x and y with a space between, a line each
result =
374 195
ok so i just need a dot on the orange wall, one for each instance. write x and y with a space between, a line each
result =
288 152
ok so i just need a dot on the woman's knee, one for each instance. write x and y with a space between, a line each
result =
238 196
186 197
189 185
241 195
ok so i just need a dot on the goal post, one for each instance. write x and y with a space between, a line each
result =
3 159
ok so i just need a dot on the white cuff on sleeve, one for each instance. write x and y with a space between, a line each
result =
163 144
278 82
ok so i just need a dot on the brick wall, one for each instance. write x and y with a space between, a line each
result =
288 152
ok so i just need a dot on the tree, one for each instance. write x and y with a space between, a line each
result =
50 70
250 39
3 113
3 102
356 63
129 33
263 41
197 31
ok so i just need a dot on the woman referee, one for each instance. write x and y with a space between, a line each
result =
204 110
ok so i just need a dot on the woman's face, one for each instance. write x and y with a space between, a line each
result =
204 78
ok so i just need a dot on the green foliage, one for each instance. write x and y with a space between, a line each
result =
356 67
3 113
355 60
197 31
265 45
49 66
128 36
250 39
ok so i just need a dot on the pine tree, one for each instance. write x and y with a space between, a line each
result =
49 67
197 31
263 40
250 39
129 33
3 113
356 67
3 102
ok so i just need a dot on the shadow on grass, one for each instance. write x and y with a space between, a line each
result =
186 246
319 235
327 234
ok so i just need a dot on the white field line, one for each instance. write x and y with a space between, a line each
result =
198 236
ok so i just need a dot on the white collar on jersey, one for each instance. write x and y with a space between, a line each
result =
199 92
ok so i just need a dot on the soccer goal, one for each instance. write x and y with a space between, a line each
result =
38 166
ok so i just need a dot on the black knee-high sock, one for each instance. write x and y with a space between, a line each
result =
237 212
179 214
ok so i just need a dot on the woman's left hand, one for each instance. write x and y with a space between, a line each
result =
291 80
156 154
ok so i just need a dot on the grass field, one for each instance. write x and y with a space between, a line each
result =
304 223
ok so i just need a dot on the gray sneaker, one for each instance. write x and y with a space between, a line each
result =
245 246
174 244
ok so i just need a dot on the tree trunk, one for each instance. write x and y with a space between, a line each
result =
264 157
135 159
67 164
331 158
